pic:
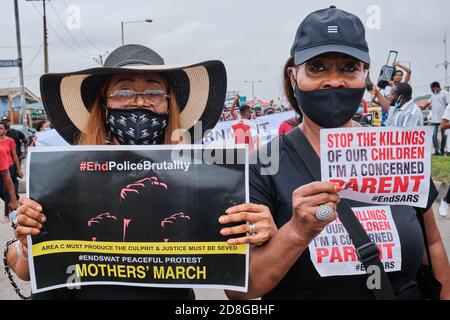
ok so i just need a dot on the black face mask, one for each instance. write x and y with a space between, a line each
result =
329 108
137 126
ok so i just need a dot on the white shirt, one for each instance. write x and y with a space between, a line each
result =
439 102
408 115
387 91
446 115
50 138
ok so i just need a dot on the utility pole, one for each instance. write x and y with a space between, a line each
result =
253 88
445 64
99 58
45 35
45 39
22 111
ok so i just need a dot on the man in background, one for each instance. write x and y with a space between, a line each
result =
403 111
245 131
438 101
445 202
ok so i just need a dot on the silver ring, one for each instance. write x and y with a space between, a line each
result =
251 229
14 221
324 212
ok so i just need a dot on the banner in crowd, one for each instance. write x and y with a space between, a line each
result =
137 216
333 253
378 165
266 126
50 138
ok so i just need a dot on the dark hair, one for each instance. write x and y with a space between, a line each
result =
287 86
435 84
3 123
404 90
40 124
244 108
397 71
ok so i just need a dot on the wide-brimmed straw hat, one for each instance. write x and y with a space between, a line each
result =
199 89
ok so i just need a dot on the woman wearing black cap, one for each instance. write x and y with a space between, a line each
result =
324 79
134 99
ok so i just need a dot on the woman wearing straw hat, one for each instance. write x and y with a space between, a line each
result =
114 105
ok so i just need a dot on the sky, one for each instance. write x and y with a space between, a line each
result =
252 37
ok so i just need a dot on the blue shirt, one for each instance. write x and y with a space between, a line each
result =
408 115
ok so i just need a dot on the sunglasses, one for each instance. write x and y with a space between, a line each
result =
127 96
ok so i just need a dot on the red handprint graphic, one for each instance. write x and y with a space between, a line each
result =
131 196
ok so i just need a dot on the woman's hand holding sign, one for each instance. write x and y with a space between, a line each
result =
306 204
260 226
29 220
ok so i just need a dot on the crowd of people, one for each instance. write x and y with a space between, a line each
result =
401 110
229 112
14 145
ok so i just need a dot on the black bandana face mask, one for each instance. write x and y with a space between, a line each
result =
137 126
329 108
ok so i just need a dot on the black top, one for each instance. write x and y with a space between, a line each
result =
18 137
303 281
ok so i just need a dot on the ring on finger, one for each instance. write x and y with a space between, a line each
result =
251 229
14 222
324 212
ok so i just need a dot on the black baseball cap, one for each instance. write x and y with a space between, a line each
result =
330 30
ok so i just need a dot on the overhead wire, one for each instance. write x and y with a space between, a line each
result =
84 34
59 37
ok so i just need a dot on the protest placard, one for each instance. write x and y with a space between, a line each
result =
333 253
267 129
378 165
136 216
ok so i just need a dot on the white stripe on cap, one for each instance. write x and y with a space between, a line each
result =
333 29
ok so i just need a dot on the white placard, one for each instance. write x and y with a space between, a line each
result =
378 165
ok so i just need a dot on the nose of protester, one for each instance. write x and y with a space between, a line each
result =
332 82
332 78
306 201
29 220
139 101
